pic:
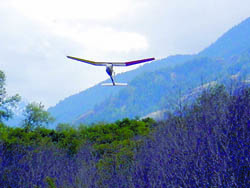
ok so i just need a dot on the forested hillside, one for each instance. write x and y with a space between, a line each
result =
234 42
203 144
161 89
202 140
72 108
158 85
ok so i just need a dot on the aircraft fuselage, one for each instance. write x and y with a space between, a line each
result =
110 71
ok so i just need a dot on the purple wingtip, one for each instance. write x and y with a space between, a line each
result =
139 61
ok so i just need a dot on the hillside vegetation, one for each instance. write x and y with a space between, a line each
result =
160 89
158 85
202 141
81 104
203 144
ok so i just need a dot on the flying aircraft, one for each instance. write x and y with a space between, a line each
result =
109 67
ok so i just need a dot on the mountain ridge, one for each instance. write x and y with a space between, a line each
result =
74 106
232 43
224 46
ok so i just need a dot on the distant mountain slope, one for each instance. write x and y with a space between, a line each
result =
234 42
71 108
163 89
156 84
150 91
146 93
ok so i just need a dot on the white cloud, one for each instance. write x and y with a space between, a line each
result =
109 40
80 21
101 39
45 10
36 35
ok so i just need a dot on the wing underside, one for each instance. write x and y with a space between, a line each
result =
113 63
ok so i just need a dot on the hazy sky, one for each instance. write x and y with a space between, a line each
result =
36 35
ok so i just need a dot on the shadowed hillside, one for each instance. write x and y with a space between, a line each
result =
234 42
203 144
71 108
153 85
161 89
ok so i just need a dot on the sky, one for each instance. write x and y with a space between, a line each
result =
37 35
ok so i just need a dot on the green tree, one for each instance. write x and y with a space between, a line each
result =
6 103
63 127
36 116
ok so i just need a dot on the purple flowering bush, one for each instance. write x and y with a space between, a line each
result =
203 144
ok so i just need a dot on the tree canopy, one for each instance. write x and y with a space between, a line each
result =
6 103
36 116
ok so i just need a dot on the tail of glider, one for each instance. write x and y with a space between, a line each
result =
116 84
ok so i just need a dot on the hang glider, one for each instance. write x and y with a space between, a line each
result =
109 67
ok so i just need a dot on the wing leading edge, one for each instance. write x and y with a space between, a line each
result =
113 63
87 61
